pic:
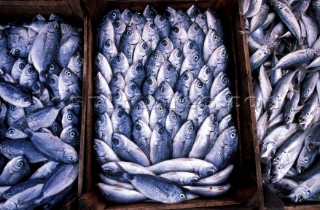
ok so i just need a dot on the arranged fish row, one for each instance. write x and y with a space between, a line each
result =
163 124
283 39
40 110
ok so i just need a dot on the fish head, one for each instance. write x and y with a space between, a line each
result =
164 89
300 194
126 15
222 54
70 155
99 102
54 69
178 32
119 114
176 57
119 141
165 45
170 14
98 146
150 12
53 27
288 117
214 39
70 132
138 19
190 47
268 150
119 26
120 61
69 117
149 100
190 126
223 80
205 73
20 165
174 118
112 15
206 171
181 16
68 77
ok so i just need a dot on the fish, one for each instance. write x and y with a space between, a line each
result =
109 50
103 67
142 136
183 140
108 181
20 187
70 135
208 190
45 171
160 144
14 171
121 122
151 34
129 39
140 112
104 152
168 73
164 93
105 32
136 73
163 24
216 179
141 52
165 46
113 169
153 63
306 191
181 178
133 93
120 63
184 83
68 84
14 95
180 104
119 27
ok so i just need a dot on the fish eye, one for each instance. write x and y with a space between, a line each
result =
196 57
108 172
72 134
185 77
161 18
147 101
128 15
139 15
116 77
149 81
176 29
120 114
152 25
129 33
139 68
207 71
114 15
68 74
21 66
182 195
117 24
30 70
133 87
36 87
215 37
71 158
100 120
108 44
155 55
13 108
161 131
117 95
160 108
181 100
17 52
191 128
118 58
55 128
196 28
9 194
190 45
52 81
144 45
162 88
228 96
138 107
51 67
233 135
164 42
200 84
20 164
174 116
95 147
224 79
210 173
169 67
167 14
178 54
69 116
151 13
201 105
138 127
224 53
56 25
80 60
99 102
213 119
10 131
115 141
203 17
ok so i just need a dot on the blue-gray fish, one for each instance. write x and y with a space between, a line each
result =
17 68
165 46
76 64
213 21
112 169
130 38
222 104
211 42
70 135
258 20
199 111
3 112
44 48
52 147
14 114
220 82
140 112
200 167
101 86
15 171
119 27
208 191
136 73
206 137
56 128
224 148
53 85
308 111
69 118
181 178
225 123
141 52
193 62
201 20
163 25
206 76
121 122
109 181
14 95
218 61
6 60
198 89
180 104
28 76
170 15
260 56
14 133
44 117
103 105
216 179
35 106
168 73
109 50
133 93
173 123
149 101
112 15
45 171
20 187
164 94
160 144
118 194
103 66
69 84
119 98
149 86
105 32
104 152
117 83
184 19
151 34
176 58
178 36
184 82
120 63
156 188
153 63
141 136
196 34
103 128
12 148
307 190
150 12
184 140
138 20
128 151
308 86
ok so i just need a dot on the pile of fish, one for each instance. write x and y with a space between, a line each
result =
163 126
40 88
284 42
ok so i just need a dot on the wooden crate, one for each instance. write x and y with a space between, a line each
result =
72 12
246 178
271 201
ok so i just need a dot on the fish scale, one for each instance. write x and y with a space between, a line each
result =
167 68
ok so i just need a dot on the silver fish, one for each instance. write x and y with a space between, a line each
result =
160 144
139 112
142 136
180 104
104 152
14 95
15 170
181 178
109 50
184 140
210 191
173 123
141 52
103 128
121 122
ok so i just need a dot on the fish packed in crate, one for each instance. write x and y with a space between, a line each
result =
284 44
40 113
164 130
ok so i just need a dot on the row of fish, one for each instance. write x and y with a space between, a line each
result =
40 110
284 42
164 130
